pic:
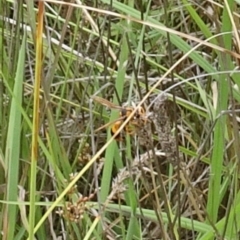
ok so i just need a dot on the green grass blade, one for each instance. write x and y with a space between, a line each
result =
13 145
198 20
220 128
111 150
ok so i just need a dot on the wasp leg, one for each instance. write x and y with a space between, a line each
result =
114 129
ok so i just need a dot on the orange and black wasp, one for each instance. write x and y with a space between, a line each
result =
138 120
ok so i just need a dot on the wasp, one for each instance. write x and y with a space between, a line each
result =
138 120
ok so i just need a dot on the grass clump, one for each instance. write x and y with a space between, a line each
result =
163 77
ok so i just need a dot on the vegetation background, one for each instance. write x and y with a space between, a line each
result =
176 176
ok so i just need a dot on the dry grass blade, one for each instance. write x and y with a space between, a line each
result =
36 116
